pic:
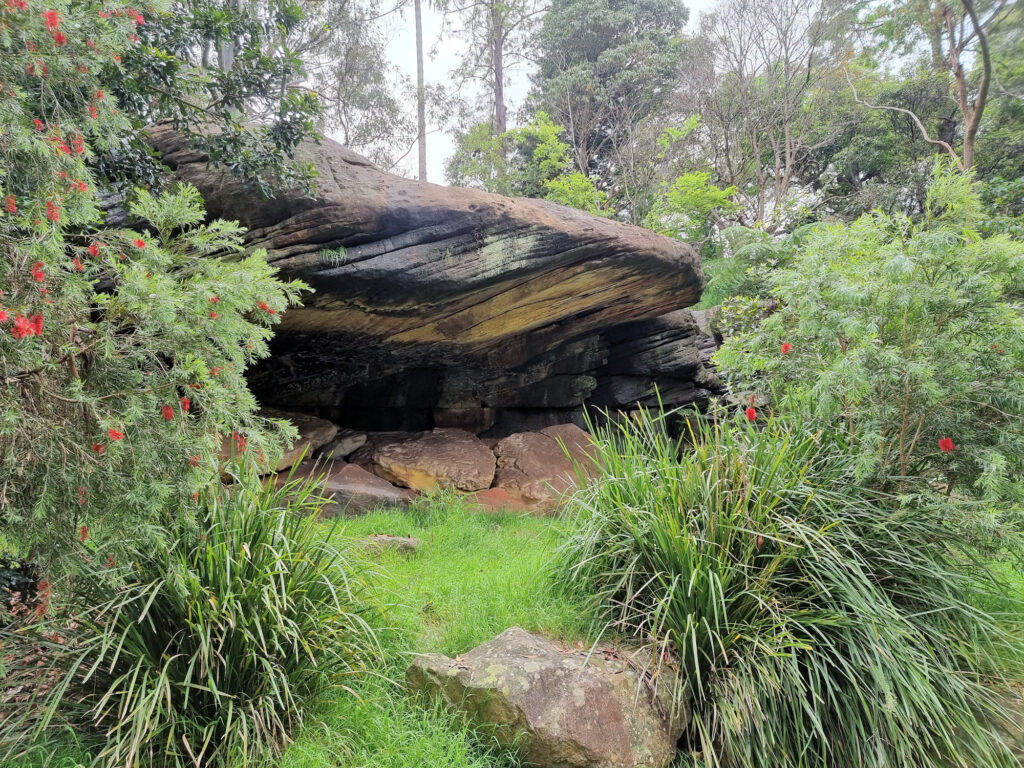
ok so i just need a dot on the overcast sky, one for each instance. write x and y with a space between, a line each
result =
447 51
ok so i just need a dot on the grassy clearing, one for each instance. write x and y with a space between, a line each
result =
473 577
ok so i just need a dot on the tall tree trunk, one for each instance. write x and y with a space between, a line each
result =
421 97
974 118
498 31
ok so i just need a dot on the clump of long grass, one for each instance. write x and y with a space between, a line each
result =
206 647
813 624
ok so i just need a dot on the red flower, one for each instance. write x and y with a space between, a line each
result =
40 126
139 243
94 249
51 19
52 211
194 461
946 445
78 144
12 205
215 299
786 348
3 315
37 324
186 404
168 412
263 305
37 272
751 414
98 447
111 562
93 112
59 38
99 95
113 434
22 327
79 266
83 532
213 315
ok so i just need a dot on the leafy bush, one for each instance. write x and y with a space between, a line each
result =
813 625
122 351
207 647
910 336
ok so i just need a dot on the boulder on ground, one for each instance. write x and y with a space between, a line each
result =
563 709
447 458
351 489
346 443
500 501
383 542
313 433
539 467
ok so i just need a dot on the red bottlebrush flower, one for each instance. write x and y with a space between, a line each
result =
168 412
94 249
37 324
186 404
99 95
3 315
59 38
946 445
99 447
44 598
104 14
78 144
11 204
93 112
213 315
51 19
268 309
111 561
194 461
215 299
195 496
79 266
786 348
240 443
83 532
139 19
751 414
113 434
22 327
83 69
40 125
52 211
139 243
37 272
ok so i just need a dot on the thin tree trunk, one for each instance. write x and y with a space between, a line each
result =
421 98
974 119
500 118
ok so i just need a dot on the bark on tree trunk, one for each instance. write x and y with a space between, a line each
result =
497 28
421 106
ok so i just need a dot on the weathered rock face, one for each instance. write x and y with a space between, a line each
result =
351 489
561 708
537 468
445 458
438 306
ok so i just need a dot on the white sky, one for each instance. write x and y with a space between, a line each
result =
446 53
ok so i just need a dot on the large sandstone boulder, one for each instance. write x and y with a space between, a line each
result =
351 489
439 306
313 433
563 709
537 468
441 458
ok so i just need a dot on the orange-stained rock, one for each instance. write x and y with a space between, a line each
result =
441 458
499 500
534 467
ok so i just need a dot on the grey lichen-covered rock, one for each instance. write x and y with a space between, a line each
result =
346 443
350 490
562 709
384 542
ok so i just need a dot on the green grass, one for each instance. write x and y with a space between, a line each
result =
474 576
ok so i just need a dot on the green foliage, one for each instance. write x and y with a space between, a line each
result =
208 644
530 161
904 333
122 352
812 624
689 208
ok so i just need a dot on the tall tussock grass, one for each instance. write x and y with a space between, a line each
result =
205 647
813 623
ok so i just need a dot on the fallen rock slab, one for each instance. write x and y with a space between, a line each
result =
500 501
560 708
383 542
313 433
445 458
346 443
352 490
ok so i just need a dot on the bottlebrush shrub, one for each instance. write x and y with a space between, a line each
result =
903 333
812 624
208 647
121 351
